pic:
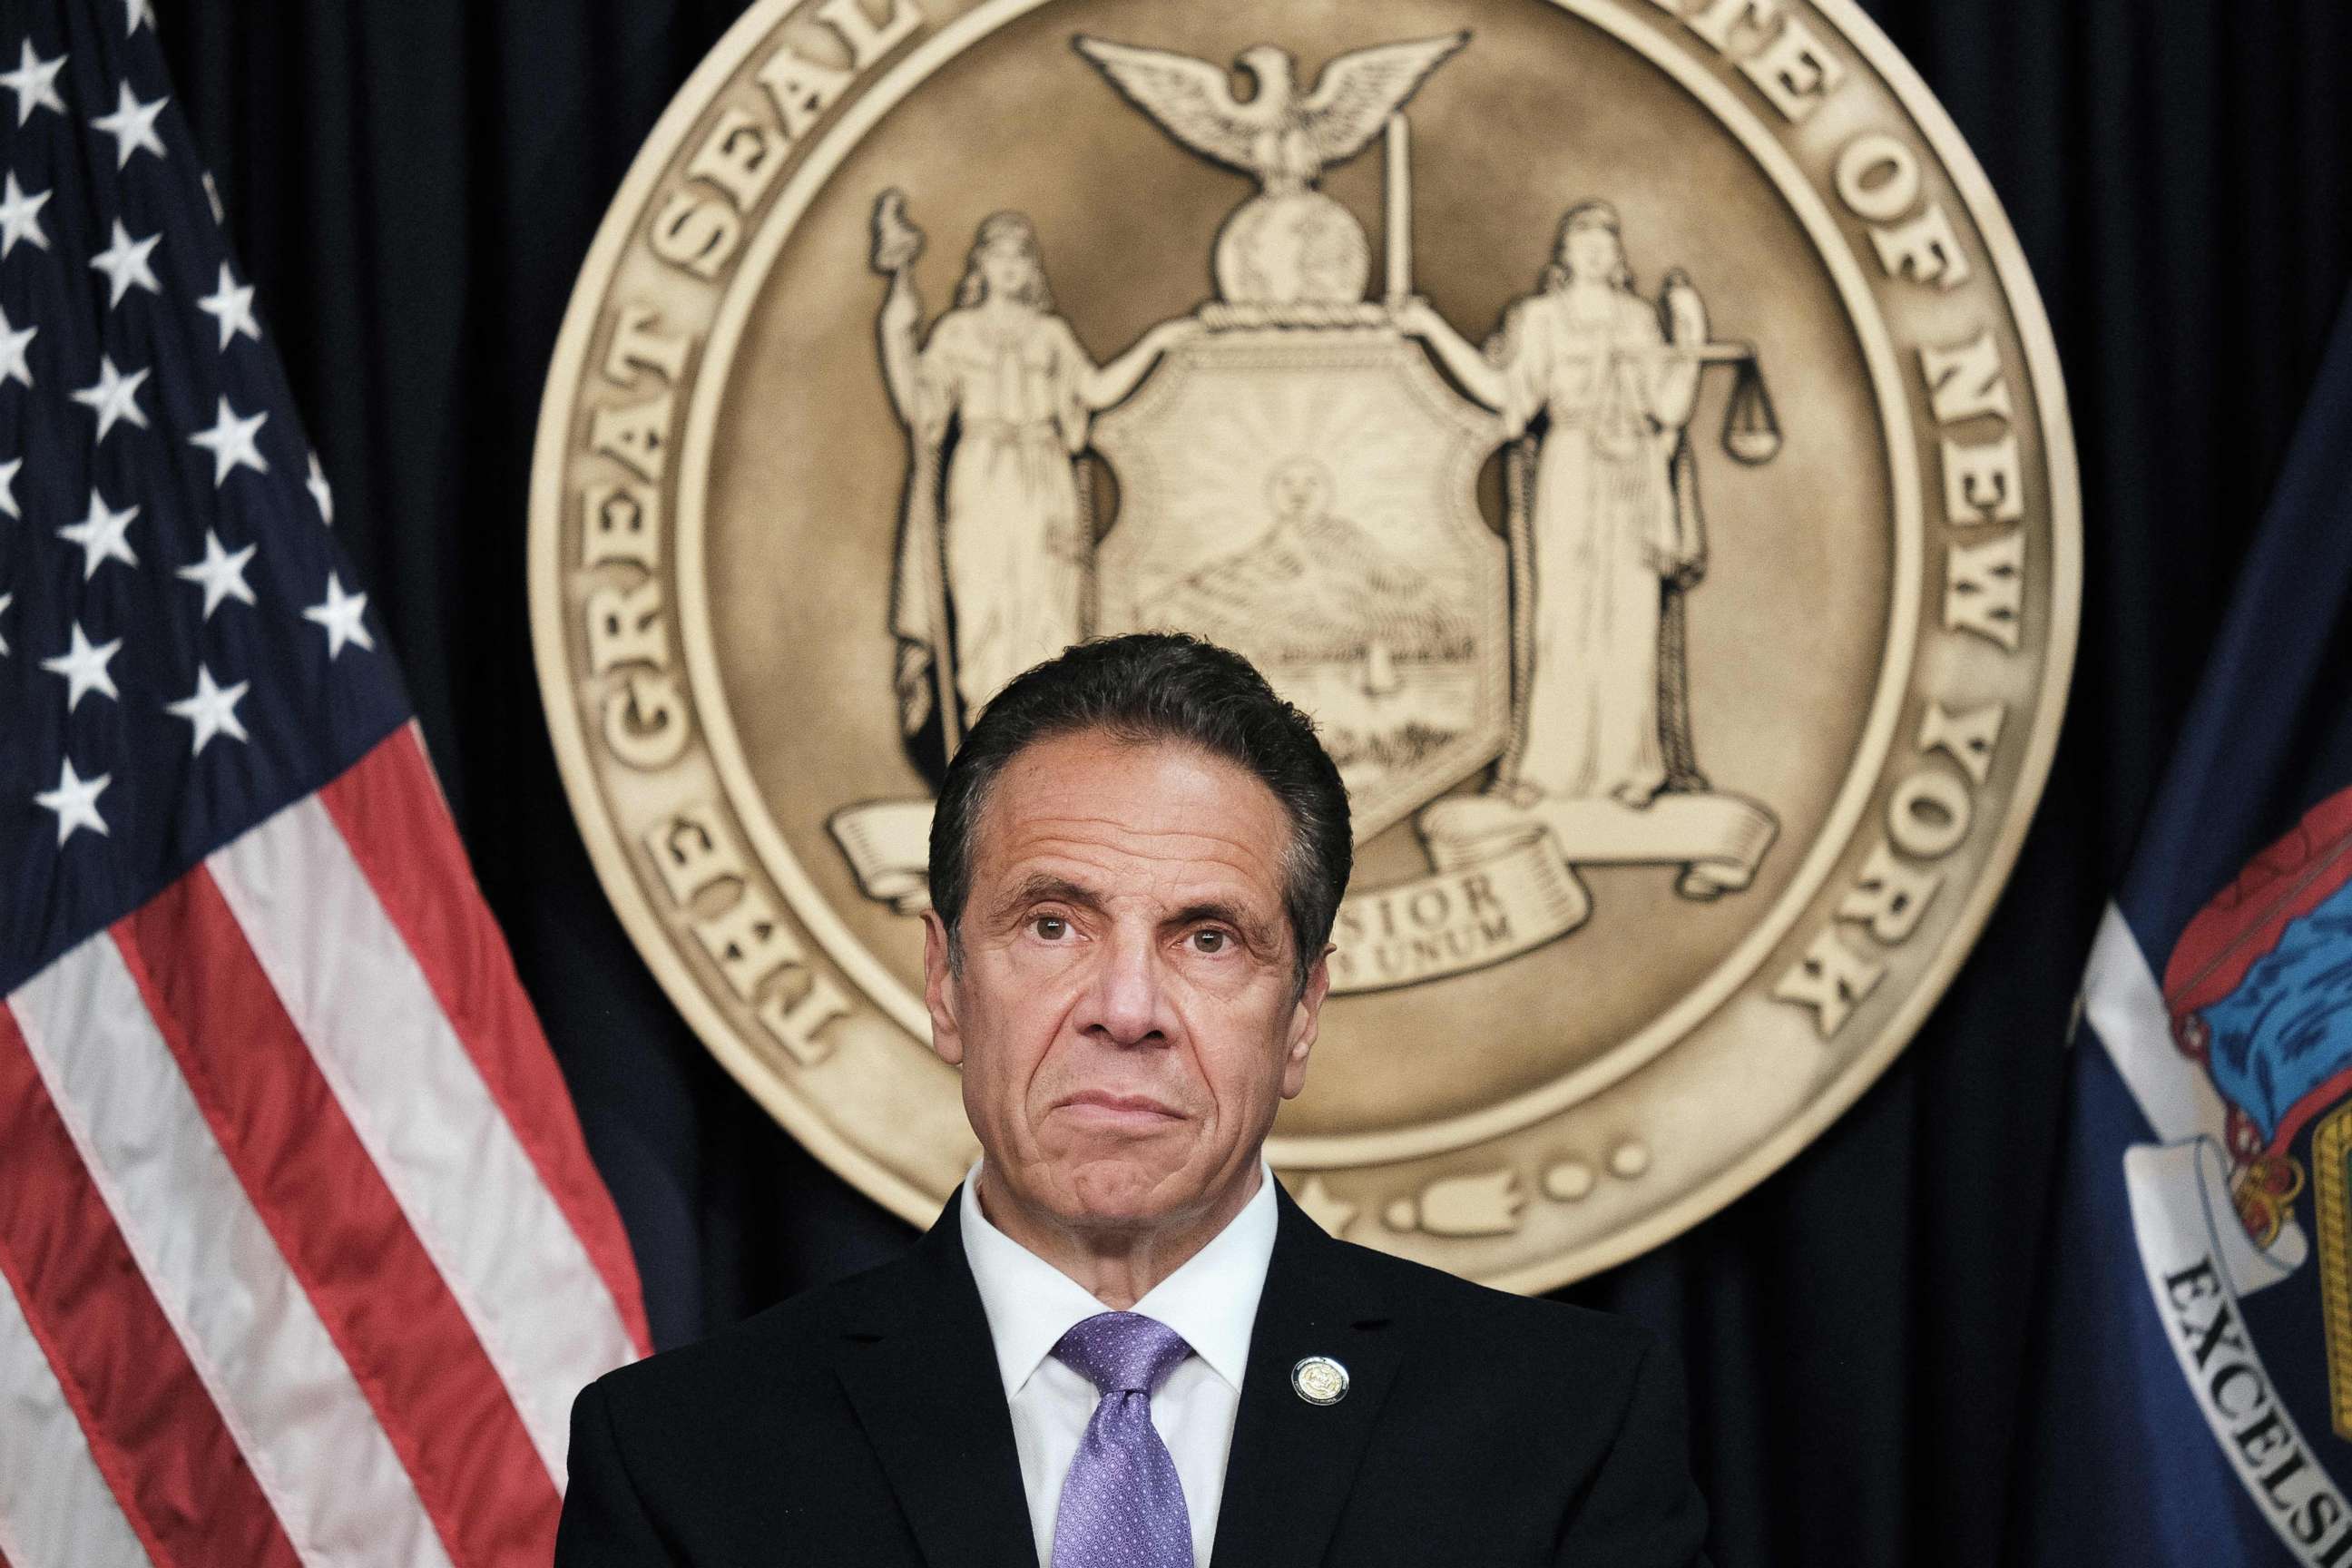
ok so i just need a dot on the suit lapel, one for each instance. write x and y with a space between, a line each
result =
921 1372
1292 1463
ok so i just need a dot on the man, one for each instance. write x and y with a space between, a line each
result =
1122 1343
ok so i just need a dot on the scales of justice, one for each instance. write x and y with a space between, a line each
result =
1297 470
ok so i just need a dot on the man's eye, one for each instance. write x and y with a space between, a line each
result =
1052 928
1211 940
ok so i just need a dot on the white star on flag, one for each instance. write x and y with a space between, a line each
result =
20 215
339 613
317 485
221 573
133 126
14 365
233 307
124 262
6 600
75 800
8 488
84 668
35 83
231 442
101 535
212 709
115 396
139 11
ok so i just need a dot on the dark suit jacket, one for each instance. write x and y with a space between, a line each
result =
865 1424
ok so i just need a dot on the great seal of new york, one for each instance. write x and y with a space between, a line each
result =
1626 426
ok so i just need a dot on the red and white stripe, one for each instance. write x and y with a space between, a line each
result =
301 1257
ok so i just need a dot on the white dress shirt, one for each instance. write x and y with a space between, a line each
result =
1212 1300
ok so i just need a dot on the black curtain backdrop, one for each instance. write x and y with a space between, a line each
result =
413 182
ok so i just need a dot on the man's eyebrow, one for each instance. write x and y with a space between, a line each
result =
1043 887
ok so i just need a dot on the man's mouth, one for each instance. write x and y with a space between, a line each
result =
1133 1112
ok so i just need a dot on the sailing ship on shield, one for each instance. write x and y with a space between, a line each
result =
1298 465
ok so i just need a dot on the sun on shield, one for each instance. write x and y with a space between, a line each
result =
1307 495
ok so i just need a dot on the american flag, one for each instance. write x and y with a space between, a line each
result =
301 1256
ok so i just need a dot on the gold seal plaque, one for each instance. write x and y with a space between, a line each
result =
1626 426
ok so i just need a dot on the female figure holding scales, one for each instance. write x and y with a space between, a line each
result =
1591 357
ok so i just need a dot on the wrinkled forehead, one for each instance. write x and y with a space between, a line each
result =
1141 820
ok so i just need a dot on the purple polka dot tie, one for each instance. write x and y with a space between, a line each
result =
1122 1506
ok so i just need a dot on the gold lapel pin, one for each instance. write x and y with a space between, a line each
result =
1319 1380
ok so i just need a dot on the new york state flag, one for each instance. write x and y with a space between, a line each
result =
2196 1399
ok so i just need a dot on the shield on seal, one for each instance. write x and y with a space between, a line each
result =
1308 497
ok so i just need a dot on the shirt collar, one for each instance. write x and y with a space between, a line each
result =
1212 1300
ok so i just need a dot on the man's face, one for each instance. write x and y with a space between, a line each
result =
1125 1017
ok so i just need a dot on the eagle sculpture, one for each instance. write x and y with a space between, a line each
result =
1283 139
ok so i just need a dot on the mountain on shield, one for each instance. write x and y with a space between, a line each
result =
1320 589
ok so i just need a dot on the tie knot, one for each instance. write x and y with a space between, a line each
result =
1123 1352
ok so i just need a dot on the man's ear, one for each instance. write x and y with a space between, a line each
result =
1306 1019
940 991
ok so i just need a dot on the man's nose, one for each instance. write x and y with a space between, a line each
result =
1128 1003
